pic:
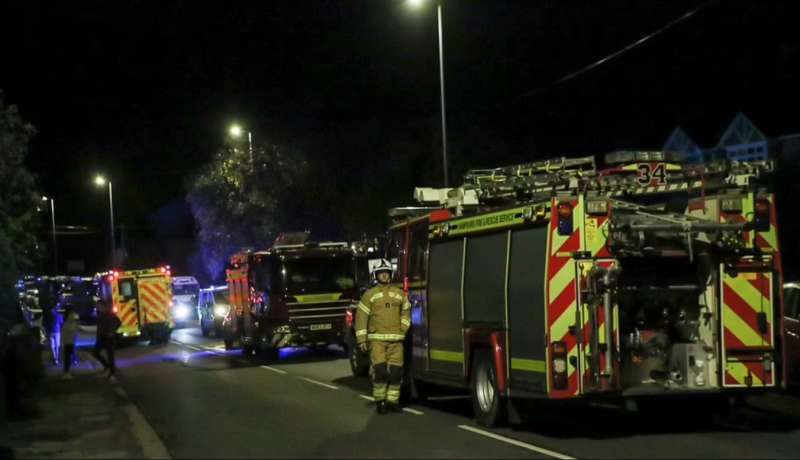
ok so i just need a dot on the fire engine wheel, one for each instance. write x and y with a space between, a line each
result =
487 403
204 329
228 343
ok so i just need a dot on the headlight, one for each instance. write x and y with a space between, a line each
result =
181 311
221 310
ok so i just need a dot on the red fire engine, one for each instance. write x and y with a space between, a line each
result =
555 280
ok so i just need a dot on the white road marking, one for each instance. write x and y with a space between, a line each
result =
146 436
413 411
514 442
319 383
274 369
368 398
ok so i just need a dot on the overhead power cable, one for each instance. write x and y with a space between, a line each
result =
623 50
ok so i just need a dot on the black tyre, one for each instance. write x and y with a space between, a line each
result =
487 403
359 361
204 329
271 354
228 343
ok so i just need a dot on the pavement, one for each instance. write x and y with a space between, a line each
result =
88 416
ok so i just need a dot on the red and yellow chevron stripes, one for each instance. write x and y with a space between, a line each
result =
744 297
561 293
154 300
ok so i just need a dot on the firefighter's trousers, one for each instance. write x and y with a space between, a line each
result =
387 370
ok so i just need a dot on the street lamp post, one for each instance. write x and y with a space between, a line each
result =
53 222
417 3
101 181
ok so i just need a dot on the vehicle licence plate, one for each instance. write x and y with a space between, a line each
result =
320 327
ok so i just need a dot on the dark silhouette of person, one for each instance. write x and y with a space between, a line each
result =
107 325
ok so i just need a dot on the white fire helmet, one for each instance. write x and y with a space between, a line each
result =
382 266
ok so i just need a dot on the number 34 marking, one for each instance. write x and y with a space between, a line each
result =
652 174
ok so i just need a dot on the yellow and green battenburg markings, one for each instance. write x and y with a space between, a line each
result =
450 356
529 365
491 221
318 298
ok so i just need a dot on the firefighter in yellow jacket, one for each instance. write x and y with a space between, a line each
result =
382 319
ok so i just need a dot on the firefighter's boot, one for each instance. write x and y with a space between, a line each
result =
380 407
393 407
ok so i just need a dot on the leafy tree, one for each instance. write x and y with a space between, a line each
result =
239 204
19 250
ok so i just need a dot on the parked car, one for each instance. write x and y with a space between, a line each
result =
213 305
791 320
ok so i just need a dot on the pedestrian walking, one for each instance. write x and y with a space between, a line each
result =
51 323
107 325
69 331
382 320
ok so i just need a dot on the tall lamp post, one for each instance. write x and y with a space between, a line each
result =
236 131
100 181
53 221
417 4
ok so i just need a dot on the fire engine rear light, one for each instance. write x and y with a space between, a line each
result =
163 269
564 210
111 277
762 215
731 205
348 318
559 365
597 207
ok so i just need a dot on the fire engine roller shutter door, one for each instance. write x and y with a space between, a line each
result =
526 309
485 279
444 308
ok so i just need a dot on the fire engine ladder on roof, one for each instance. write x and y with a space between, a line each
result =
538 181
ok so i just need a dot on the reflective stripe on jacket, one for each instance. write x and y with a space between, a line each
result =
384 313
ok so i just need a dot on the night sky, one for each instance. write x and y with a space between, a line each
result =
144 91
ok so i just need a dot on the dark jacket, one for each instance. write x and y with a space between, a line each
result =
107 324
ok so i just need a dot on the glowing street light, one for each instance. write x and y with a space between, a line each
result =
418 4
100 181
237 131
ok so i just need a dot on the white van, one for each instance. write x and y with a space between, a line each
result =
184 298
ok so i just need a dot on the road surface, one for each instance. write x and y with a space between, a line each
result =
204 402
